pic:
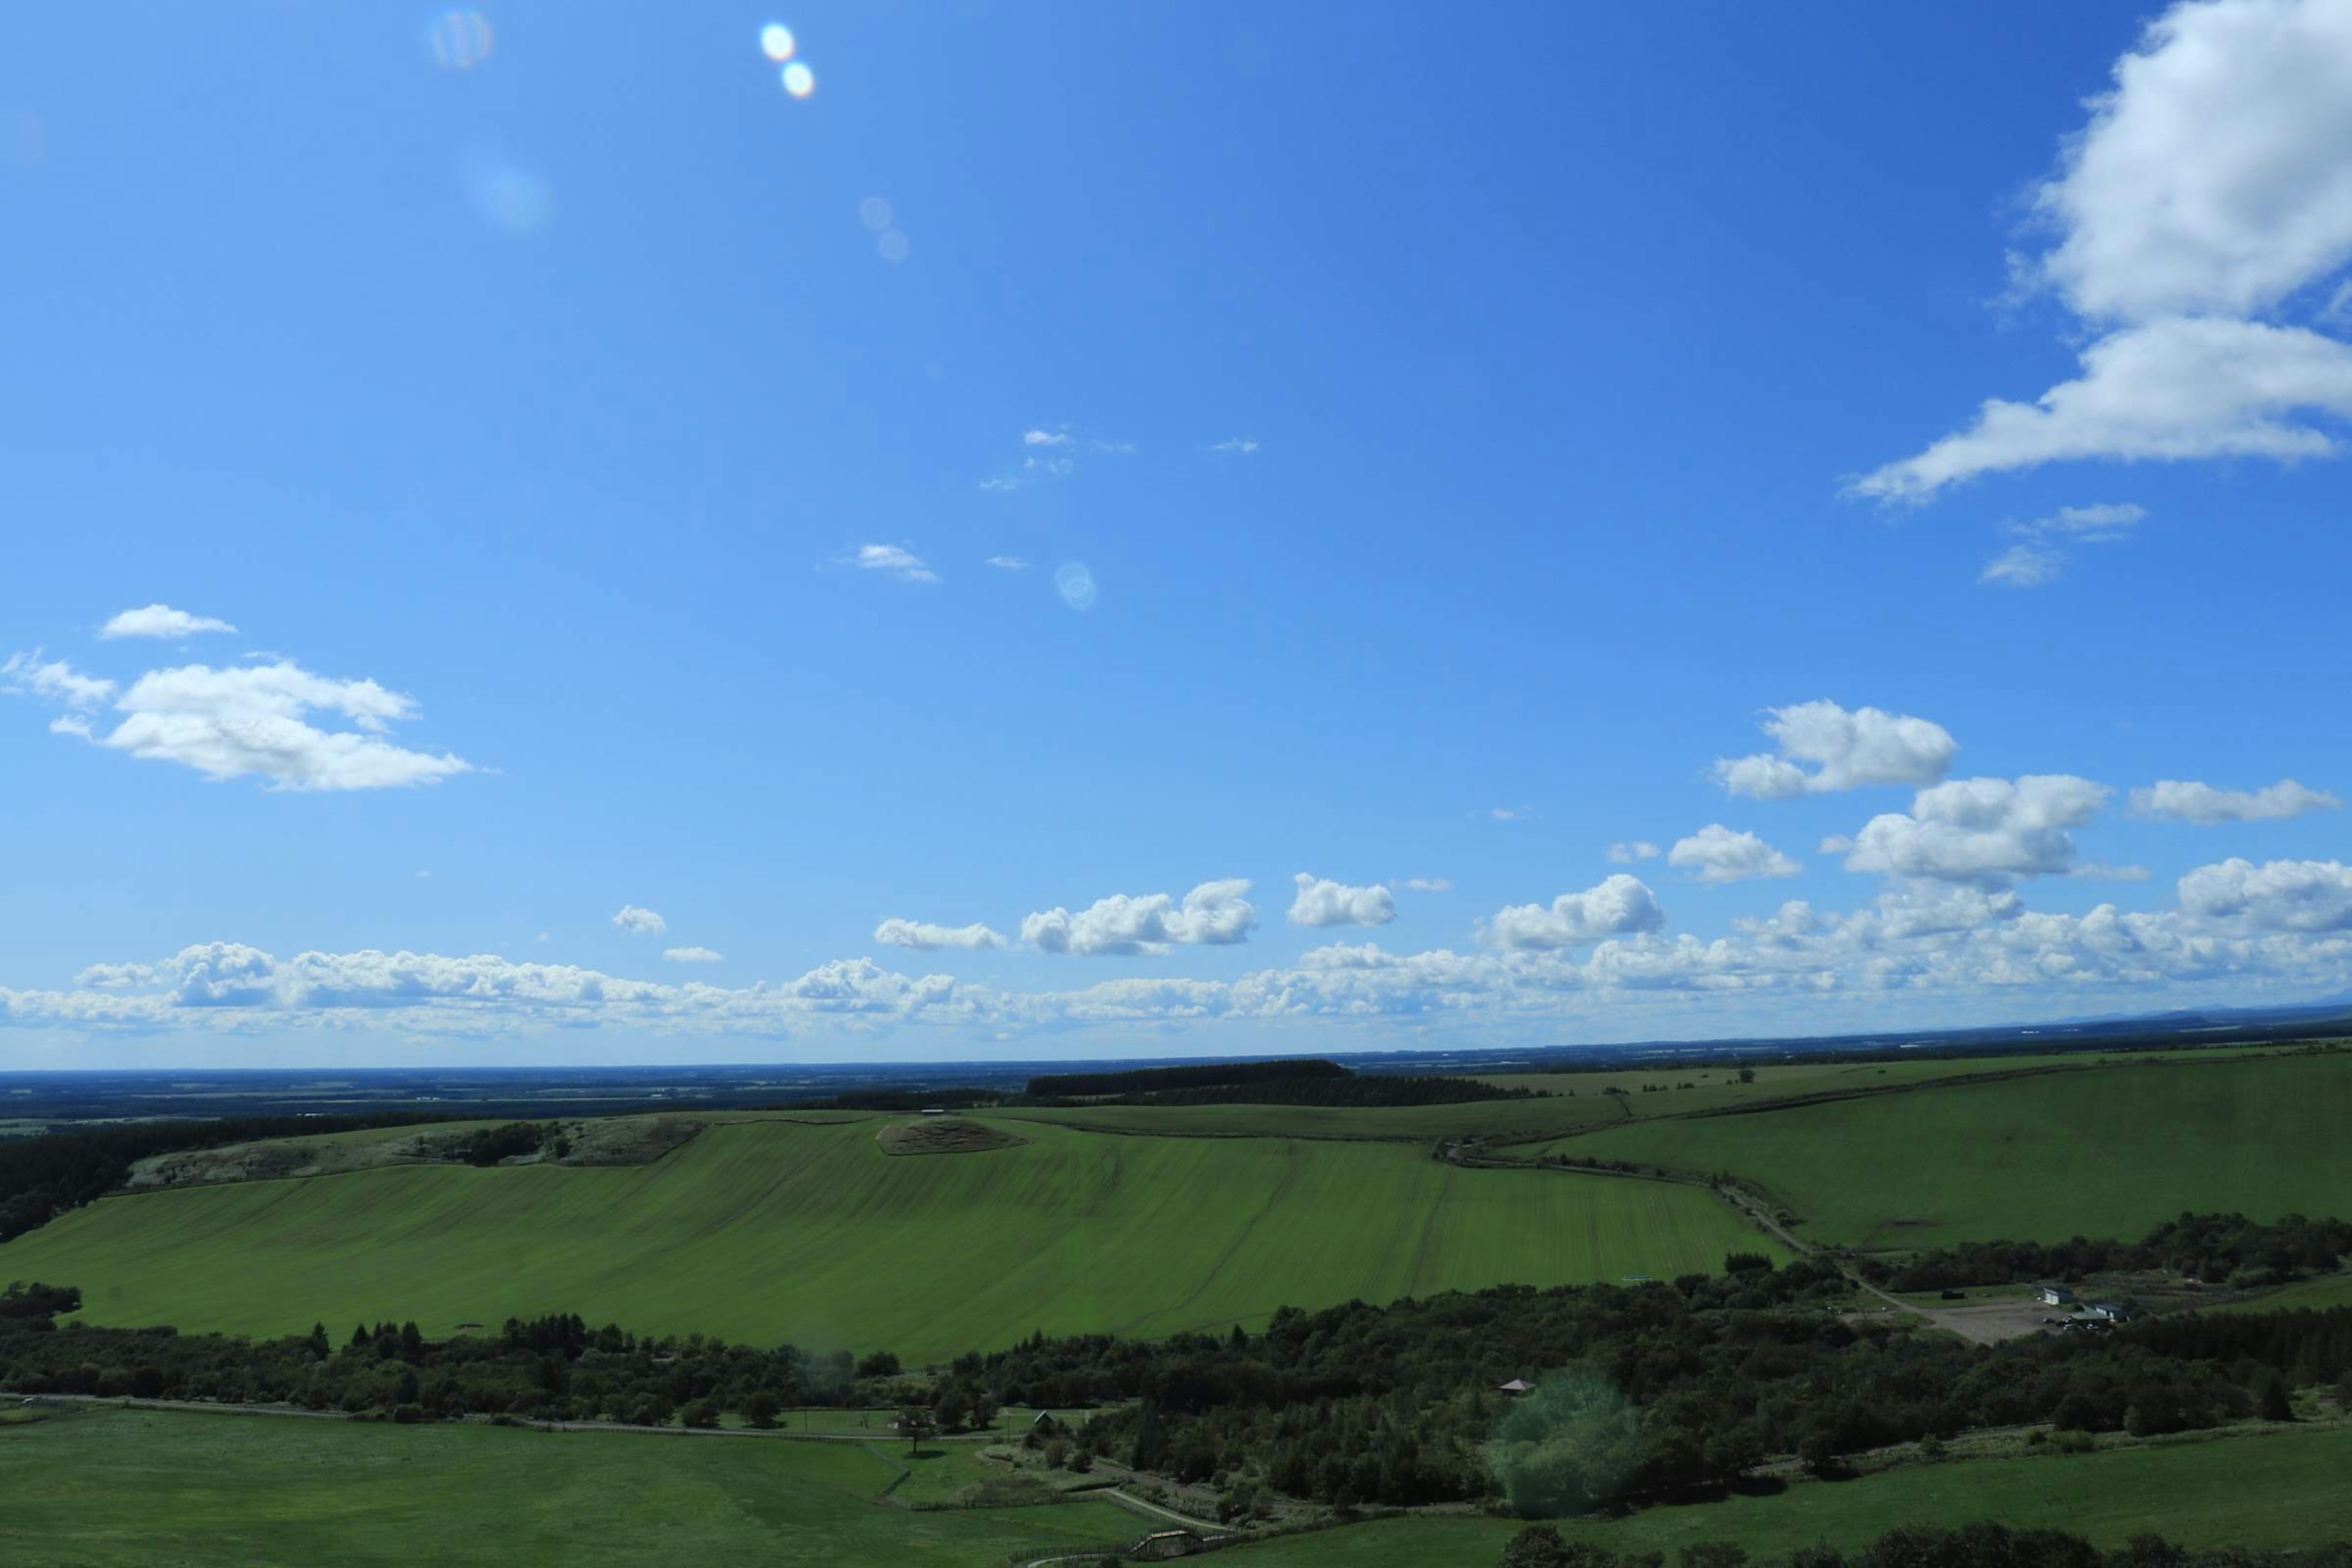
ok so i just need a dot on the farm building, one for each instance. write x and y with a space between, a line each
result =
2057 1296
1516 1387
1046 1426
2109 1311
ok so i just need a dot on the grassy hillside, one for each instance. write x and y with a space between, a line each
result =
124 1488
2109 1152
2290 1488
1411 1123
771 1231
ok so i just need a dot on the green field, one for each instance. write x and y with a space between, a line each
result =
140 1488
2111 1151
771 1231
1414 1123
2288 1489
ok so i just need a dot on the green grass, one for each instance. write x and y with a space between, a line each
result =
122 1487
2107 1152
2318 1295
767 1231
2287 1489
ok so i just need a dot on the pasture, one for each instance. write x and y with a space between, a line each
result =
1409 1123
771 1231
125 1487
2109 1152
2283 1489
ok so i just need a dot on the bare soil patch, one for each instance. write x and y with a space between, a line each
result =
944 1135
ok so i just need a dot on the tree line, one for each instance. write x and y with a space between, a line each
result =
2214 1248
1981 1545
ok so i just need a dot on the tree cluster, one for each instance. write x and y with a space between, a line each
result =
2212 1248
1982 1545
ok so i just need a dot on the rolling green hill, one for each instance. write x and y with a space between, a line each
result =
133 1488
2106 1152
771 1231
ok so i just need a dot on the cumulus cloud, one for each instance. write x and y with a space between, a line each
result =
1214 913
2283 896
1034 438
2212 186
1619 906
1715 854
252 721
903 565
921 937
1987 831
1629 853
160 621
640 923
1848 751
693 955
2182 800
56 681
1322 902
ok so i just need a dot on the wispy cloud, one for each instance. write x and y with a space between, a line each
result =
1233 443
2041 558
1008 563
1628 853
903 565
693 955
160 621
1033 437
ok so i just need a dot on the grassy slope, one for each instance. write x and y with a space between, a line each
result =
1413 1123
2286 1490
768 1231
2110 1151
135 1487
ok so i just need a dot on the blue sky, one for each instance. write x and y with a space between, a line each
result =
1430 445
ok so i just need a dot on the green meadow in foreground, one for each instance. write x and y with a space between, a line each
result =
768 1231
2287 1489
142 1488
138 1488
2106 1152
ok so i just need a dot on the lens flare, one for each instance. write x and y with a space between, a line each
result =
799 80
460 39
776 42
875 214
1075 585
892 245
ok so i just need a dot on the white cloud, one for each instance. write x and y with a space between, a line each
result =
2212 186
1008 563
922 937
693 955
2185 388
2102 523
1115 449
1076 584
1848 751
248 722
160 621
1428 885
2100 871
1715 854
1629 853
57 682
2283 896
1985 831
642 923
2022 566
1509 813
2187 801
2217 175
1045 438
1619 906
1235 444
903 565
1321 902
1214 913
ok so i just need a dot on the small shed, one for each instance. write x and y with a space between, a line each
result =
2057 1296
1162 1544
1514 1388
1044 1425
2110 1311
